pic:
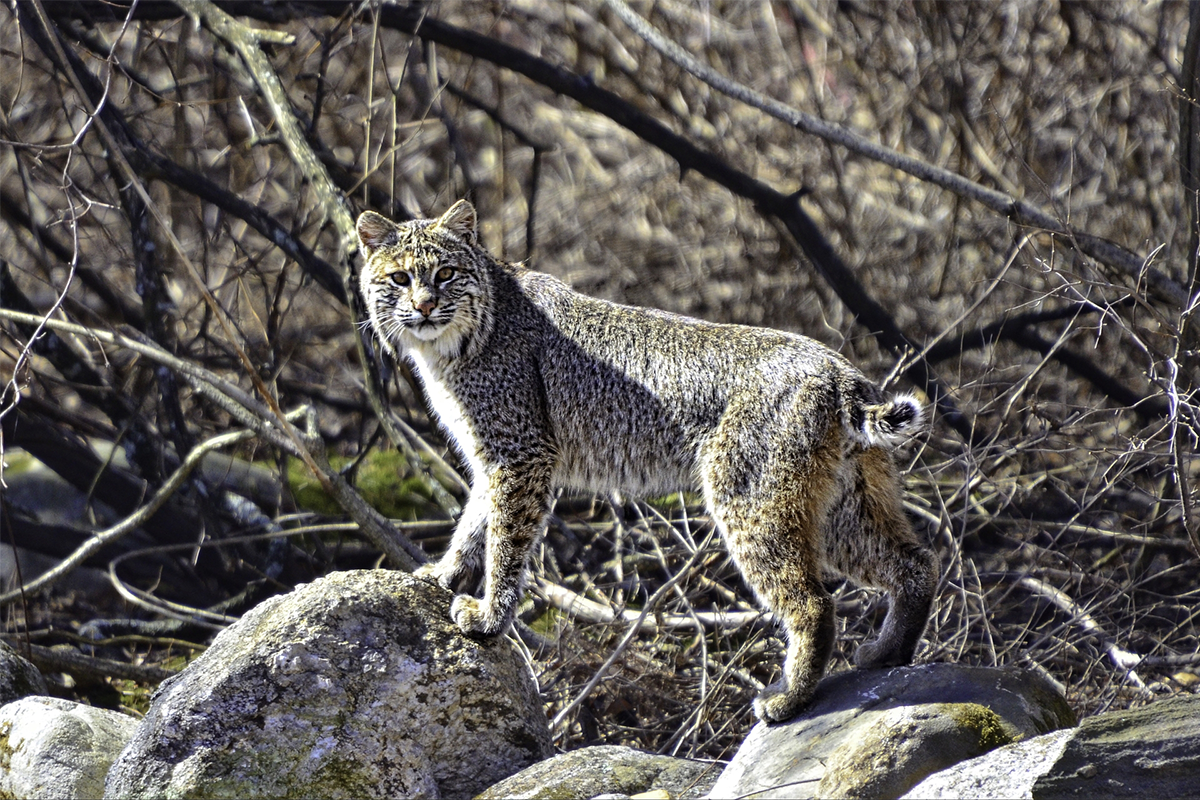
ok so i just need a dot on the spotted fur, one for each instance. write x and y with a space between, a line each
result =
539 386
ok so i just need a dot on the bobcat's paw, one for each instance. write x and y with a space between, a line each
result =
777 704
877 655
473 618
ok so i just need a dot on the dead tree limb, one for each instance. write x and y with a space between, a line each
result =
54 659
246 43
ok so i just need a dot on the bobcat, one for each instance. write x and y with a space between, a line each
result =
539 386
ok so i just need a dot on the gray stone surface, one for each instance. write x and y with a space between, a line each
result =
878 733
606 770
357 685
52 748
1149 752
18 678
1004 773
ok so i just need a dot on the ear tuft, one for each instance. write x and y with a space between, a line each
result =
375 231
459 220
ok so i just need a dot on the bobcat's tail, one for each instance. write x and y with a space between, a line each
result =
892 422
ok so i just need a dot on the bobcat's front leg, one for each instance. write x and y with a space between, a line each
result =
520 502
459 569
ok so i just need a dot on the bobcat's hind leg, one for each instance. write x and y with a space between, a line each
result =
461 567
911 599
771 516
871 540
779 562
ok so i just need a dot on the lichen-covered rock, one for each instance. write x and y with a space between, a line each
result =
357 685
18 678
606 770
877 733
52 748
1006 772
1150 752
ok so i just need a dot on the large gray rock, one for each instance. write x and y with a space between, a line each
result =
606 769
52 748
357 685
1006 772
18 678
878 733
1151 752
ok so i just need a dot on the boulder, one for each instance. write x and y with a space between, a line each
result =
607 770
18 678
876 733
1006 772
356 685
1150 752
52 748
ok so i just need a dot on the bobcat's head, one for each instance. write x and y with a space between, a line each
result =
426 283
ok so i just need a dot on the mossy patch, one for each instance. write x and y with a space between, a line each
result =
18 461
382 478
134 697
983 722
6 747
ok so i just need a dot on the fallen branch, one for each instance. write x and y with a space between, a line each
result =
579 606
130 523
1121 658
54 659
256 417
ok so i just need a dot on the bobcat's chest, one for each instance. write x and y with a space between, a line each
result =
449 410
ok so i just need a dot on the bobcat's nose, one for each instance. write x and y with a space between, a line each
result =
426 307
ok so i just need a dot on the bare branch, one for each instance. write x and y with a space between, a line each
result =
130 523
52 659
1130 264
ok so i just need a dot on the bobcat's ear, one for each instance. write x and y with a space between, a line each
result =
375 231
459 219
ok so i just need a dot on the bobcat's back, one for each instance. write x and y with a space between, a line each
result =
634 393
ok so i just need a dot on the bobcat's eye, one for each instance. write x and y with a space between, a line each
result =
444 274
401 279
